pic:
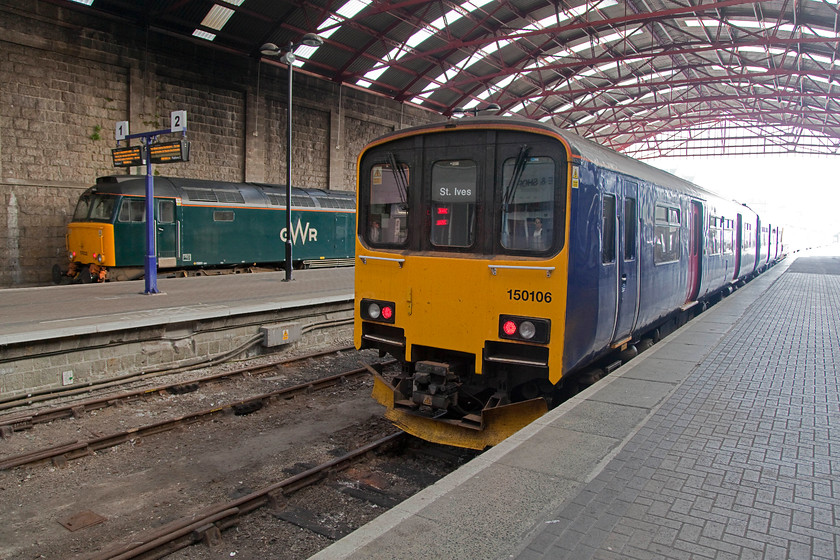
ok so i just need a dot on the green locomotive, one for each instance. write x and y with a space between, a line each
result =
204 227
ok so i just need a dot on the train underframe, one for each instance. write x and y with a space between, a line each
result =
78 273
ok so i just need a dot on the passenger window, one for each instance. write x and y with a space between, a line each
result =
666 237
133 210
608 230
528 203
388 207
454 195
629 229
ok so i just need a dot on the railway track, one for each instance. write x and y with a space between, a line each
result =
69 450
11 405
206 525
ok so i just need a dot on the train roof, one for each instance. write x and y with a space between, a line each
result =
581 147
225 192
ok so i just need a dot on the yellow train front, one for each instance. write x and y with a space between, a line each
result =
460 274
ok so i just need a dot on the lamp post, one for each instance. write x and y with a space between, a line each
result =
270 49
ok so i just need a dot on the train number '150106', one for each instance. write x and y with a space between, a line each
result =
529 295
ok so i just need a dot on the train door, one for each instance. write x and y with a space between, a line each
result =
167 233
738 239
627 262
343 241
695 236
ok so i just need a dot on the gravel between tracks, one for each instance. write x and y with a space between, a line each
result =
151 481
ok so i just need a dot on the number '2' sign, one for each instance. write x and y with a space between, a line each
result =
178 121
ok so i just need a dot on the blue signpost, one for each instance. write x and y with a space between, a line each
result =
149 152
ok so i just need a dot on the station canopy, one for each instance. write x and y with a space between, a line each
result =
649 78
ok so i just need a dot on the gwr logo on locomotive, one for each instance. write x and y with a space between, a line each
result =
302 232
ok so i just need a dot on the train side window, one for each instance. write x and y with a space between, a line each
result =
166 211
714 235
223 216
387 213
629 229
133 210
528 203
666 234
608 230
454 195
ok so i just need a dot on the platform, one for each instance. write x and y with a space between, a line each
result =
56 311
84 334
715 443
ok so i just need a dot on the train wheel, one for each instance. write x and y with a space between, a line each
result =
57 274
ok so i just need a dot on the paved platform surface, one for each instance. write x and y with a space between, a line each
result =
30 314
719 442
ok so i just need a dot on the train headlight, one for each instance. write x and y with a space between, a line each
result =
528 329
378 310
99 258
71 255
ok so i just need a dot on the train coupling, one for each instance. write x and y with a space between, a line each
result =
419 414
434 386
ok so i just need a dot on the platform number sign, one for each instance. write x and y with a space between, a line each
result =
178 121
121 131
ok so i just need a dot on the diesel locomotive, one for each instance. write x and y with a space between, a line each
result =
504 261
203 226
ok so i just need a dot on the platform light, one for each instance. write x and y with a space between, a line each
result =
270 49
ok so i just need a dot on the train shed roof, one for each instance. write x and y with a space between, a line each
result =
648 78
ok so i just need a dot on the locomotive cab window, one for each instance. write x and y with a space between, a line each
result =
387 213
82 208
102 208
528 201
454 186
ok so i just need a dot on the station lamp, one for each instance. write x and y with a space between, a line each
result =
288 56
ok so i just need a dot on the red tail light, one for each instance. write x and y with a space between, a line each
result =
528 329
377 310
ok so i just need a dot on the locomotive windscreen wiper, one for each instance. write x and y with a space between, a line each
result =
400 178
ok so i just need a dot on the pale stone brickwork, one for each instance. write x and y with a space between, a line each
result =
66 79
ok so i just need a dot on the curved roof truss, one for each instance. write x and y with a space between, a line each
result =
646 77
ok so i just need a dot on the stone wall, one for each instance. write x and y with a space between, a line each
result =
67 78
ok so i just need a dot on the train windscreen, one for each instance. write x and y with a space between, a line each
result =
465 192
95 208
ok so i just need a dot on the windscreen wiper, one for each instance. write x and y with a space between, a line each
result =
400 178
513 184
